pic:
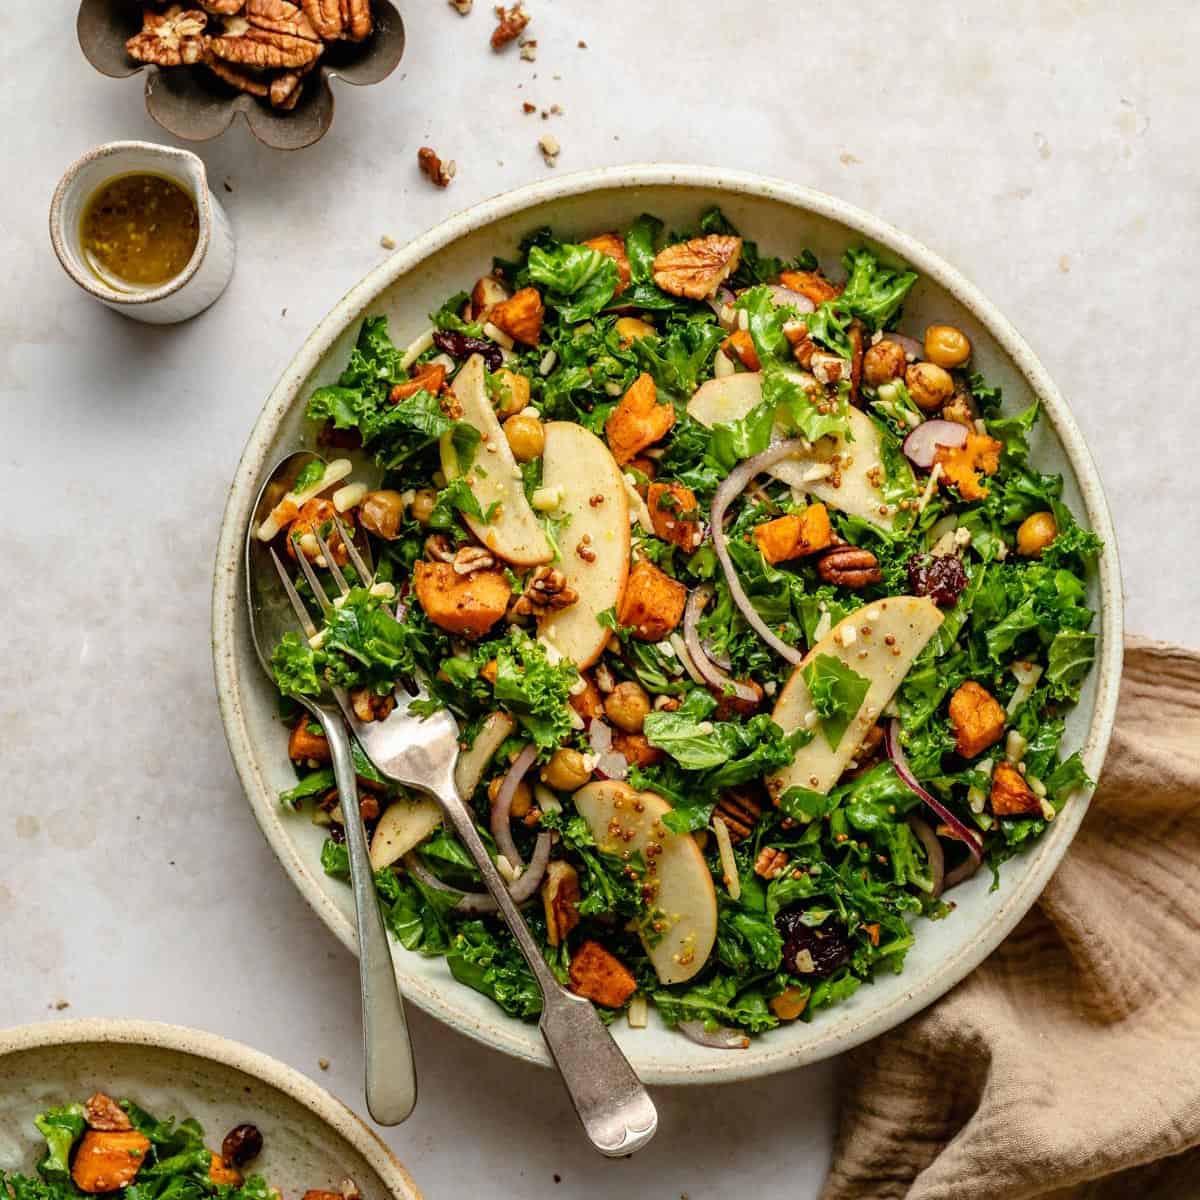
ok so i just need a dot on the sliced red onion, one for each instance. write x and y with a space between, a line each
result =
911 347
612 764
482 902
732 487
721 1038
933 851
891 741
783 296
721 660
961 873
501 814
724 298
713 675
921 445
600 736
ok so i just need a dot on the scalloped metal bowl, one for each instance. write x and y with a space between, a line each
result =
195 105
311 1140
782 217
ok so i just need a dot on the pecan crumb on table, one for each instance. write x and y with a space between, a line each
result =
432 167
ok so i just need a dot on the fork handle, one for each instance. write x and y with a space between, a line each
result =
391 1078
616 1111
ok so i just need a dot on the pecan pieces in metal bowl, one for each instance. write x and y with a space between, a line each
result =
267 59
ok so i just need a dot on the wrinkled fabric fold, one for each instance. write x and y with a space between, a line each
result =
1067 1066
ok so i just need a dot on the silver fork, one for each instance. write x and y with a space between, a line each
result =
420 753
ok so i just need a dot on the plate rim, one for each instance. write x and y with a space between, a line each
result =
213 1047
762 1058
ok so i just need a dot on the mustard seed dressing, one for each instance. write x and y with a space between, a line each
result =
139 230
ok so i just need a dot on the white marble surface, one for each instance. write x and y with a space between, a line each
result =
1044 146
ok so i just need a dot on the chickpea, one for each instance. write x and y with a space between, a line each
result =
883 361
565 772
526 437
381 512
626 706
422 506
1035 533
946 346
929 385
522 800
514 393
789 1004
318 514
630 329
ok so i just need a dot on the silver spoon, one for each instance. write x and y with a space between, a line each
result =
391 1081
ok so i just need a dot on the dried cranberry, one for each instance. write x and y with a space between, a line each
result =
942 579
461 345
241 1144
826 944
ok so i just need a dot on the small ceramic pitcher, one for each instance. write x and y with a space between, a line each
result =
207 273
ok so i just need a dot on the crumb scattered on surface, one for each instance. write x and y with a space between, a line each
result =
556 109
323 1063
529 49
582 44
388 242
528 108
283 312
550 148
848 160
462 7
437 172
557 1177
59 1005
1064 264
227 185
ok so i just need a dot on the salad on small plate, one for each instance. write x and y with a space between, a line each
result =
756 615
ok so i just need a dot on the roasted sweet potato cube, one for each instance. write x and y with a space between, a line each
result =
106 1161
317 1194
303 744
675 514
520 316
812 284
636 749
612 246
740 345
638 420
599 976
588 702
795 535
1011 795
653 603
976 718
963 465
467 605
219 1173
429 377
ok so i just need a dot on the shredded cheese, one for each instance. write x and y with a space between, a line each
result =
416 349
930 487
729 871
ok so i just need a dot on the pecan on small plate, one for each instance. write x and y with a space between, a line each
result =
169 39
849 566
340 20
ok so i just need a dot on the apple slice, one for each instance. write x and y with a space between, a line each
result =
878 641
405 823
861 458
686 903
513 534
594 546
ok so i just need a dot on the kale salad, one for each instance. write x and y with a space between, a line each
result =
114 1147
758 621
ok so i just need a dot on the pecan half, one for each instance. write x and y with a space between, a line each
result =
511 23
222 8
697 268
849 566
169 39
472 558
239 77
439 548
770 863
335 20
280 16
286 89
370 707
546 589
740 812
105 1115
266 49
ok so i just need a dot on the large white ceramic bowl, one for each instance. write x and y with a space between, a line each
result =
310 1140
782 217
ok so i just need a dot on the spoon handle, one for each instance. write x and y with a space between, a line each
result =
391 1078
617 1113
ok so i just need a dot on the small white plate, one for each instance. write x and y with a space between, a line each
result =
783 218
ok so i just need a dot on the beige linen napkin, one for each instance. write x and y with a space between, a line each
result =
1068 1065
